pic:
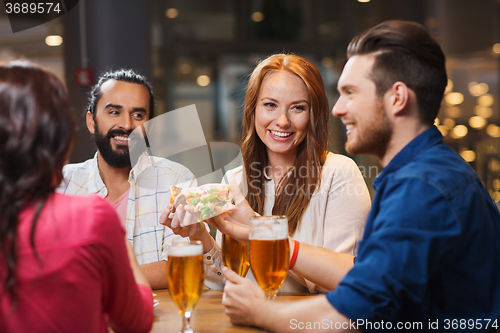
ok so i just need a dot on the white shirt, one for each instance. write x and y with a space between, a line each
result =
150 180
334 219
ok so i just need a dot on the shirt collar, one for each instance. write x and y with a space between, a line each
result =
143 162
410 152
95 183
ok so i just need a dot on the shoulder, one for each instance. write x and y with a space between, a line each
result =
439 167
83 167
337 165
86 214
236 174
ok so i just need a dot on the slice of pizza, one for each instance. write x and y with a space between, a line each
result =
174 192
204 199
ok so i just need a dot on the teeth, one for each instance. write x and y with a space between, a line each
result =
122 138
281 134
349 127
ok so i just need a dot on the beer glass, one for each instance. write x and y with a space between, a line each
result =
235 255
185 278
269 252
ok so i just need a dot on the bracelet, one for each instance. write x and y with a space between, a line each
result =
295 253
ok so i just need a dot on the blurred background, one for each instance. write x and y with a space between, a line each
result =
201 52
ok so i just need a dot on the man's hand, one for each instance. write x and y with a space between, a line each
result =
192 228
183 223
241 299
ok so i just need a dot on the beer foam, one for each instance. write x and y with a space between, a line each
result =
185 250
268 228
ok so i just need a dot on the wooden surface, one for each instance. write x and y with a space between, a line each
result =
208 315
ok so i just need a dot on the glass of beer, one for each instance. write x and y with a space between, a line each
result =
269 252
185 278
235 255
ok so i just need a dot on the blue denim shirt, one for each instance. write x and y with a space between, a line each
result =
430 253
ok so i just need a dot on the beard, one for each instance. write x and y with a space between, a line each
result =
373 137
119 158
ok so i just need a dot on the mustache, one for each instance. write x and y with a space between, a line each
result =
114 132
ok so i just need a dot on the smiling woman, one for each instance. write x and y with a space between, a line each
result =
287 168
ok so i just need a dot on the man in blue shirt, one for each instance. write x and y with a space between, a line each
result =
430 255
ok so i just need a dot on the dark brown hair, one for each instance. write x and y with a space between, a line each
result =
405 52
292 193
36 133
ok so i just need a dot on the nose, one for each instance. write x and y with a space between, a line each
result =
339 108
126 123
283 120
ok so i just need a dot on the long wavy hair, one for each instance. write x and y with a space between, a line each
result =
36 135
294 190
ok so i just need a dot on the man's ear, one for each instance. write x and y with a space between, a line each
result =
398 97
90 123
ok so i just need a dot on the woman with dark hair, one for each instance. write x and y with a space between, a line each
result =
65 265
287 169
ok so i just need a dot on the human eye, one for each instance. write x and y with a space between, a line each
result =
270 105
114 112
300 108
138 115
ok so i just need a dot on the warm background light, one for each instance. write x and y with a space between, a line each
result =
485 100
203 80
483 111
478 89
453 111
477 122
454 98
468 155
496 48
493 131
449 87
171 13
327 62
185 68
443 130
449 123
460 131
53 40
257 16
496 184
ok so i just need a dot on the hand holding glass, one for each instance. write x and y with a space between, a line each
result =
269 252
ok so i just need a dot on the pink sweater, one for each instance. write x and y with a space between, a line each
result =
84 281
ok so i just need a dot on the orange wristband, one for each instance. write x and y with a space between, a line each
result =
295 253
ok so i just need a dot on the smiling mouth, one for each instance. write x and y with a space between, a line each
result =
121 140
349 128
281 134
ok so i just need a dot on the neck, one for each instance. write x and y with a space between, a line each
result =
280 163
403 133
115 179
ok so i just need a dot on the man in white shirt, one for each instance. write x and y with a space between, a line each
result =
139 190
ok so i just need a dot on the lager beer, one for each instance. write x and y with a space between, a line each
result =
235 255
185 277
269 252
268 273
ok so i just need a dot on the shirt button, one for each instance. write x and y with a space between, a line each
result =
219 273
209 257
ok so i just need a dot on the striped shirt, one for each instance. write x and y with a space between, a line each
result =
150 180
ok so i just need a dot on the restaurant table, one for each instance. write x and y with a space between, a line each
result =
208 316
